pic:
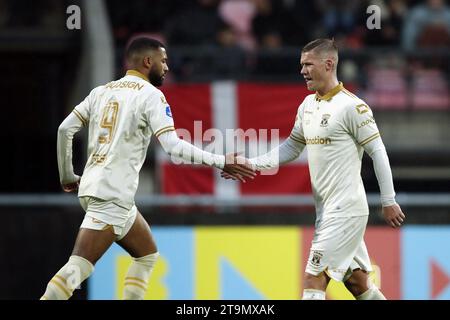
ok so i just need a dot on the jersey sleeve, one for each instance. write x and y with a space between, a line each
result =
159 115
361 124
83 110
297 131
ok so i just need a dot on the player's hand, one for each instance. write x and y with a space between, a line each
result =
72 186
393 215
237 168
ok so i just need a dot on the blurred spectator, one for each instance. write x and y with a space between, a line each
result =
139 16
300 21
339 16
4 13
427 25
52 15
43 15
267 23
239 14
288 21
392 16
230 58
198 24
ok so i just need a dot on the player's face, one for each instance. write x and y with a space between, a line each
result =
159 67
313 70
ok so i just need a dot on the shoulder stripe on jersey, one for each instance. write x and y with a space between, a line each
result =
79 116
349 93
164 130
297 139
369 139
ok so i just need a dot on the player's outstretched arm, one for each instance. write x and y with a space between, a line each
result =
236 166
181 149
68 179
286 152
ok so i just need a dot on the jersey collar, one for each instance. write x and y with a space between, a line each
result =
137 74
330 94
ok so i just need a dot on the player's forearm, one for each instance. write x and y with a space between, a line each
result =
66 131
183 150
286 152
382 169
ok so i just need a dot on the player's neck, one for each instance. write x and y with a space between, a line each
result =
330 85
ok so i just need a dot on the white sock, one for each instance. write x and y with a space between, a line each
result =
372 294
136 281
313 294
68 278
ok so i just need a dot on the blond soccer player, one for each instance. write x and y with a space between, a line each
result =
336 127
121 117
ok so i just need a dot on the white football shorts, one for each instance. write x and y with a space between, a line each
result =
338 248
102 214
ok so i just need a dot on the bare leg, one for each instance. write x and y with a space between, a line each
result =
92 244
357 284
315 286
360 287
139 241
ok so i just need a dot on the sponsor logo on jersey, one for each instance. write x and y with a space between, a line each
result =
324 122
318 140
168 112
362 108
366 122
124 84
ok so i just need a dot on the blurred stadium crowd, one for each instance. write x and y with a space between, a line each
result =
251 34
254 24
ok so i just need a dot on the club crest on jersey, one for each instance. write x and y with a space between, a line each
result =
324 122
316 257
168 111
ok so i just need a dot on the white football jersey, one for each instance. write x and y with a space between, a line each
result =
335 127
122 116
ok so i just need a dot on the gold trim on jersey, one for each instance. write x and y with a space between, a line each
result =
136 279
128 283
330 94
369 139
164 130
297 139
80 117
349 93
137 74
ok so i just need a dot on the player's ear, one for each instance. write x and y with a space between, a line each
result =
329 63
148 61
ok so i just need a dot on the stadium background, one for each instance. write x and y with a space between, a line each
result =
234 63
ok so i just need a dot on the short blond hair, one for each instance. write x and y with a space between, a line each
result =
323 46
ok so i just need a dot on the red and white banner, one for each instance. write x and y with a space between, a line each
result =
230 105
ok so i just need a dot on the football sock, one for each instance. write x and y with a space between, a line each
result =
136 281
313 294
68 278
